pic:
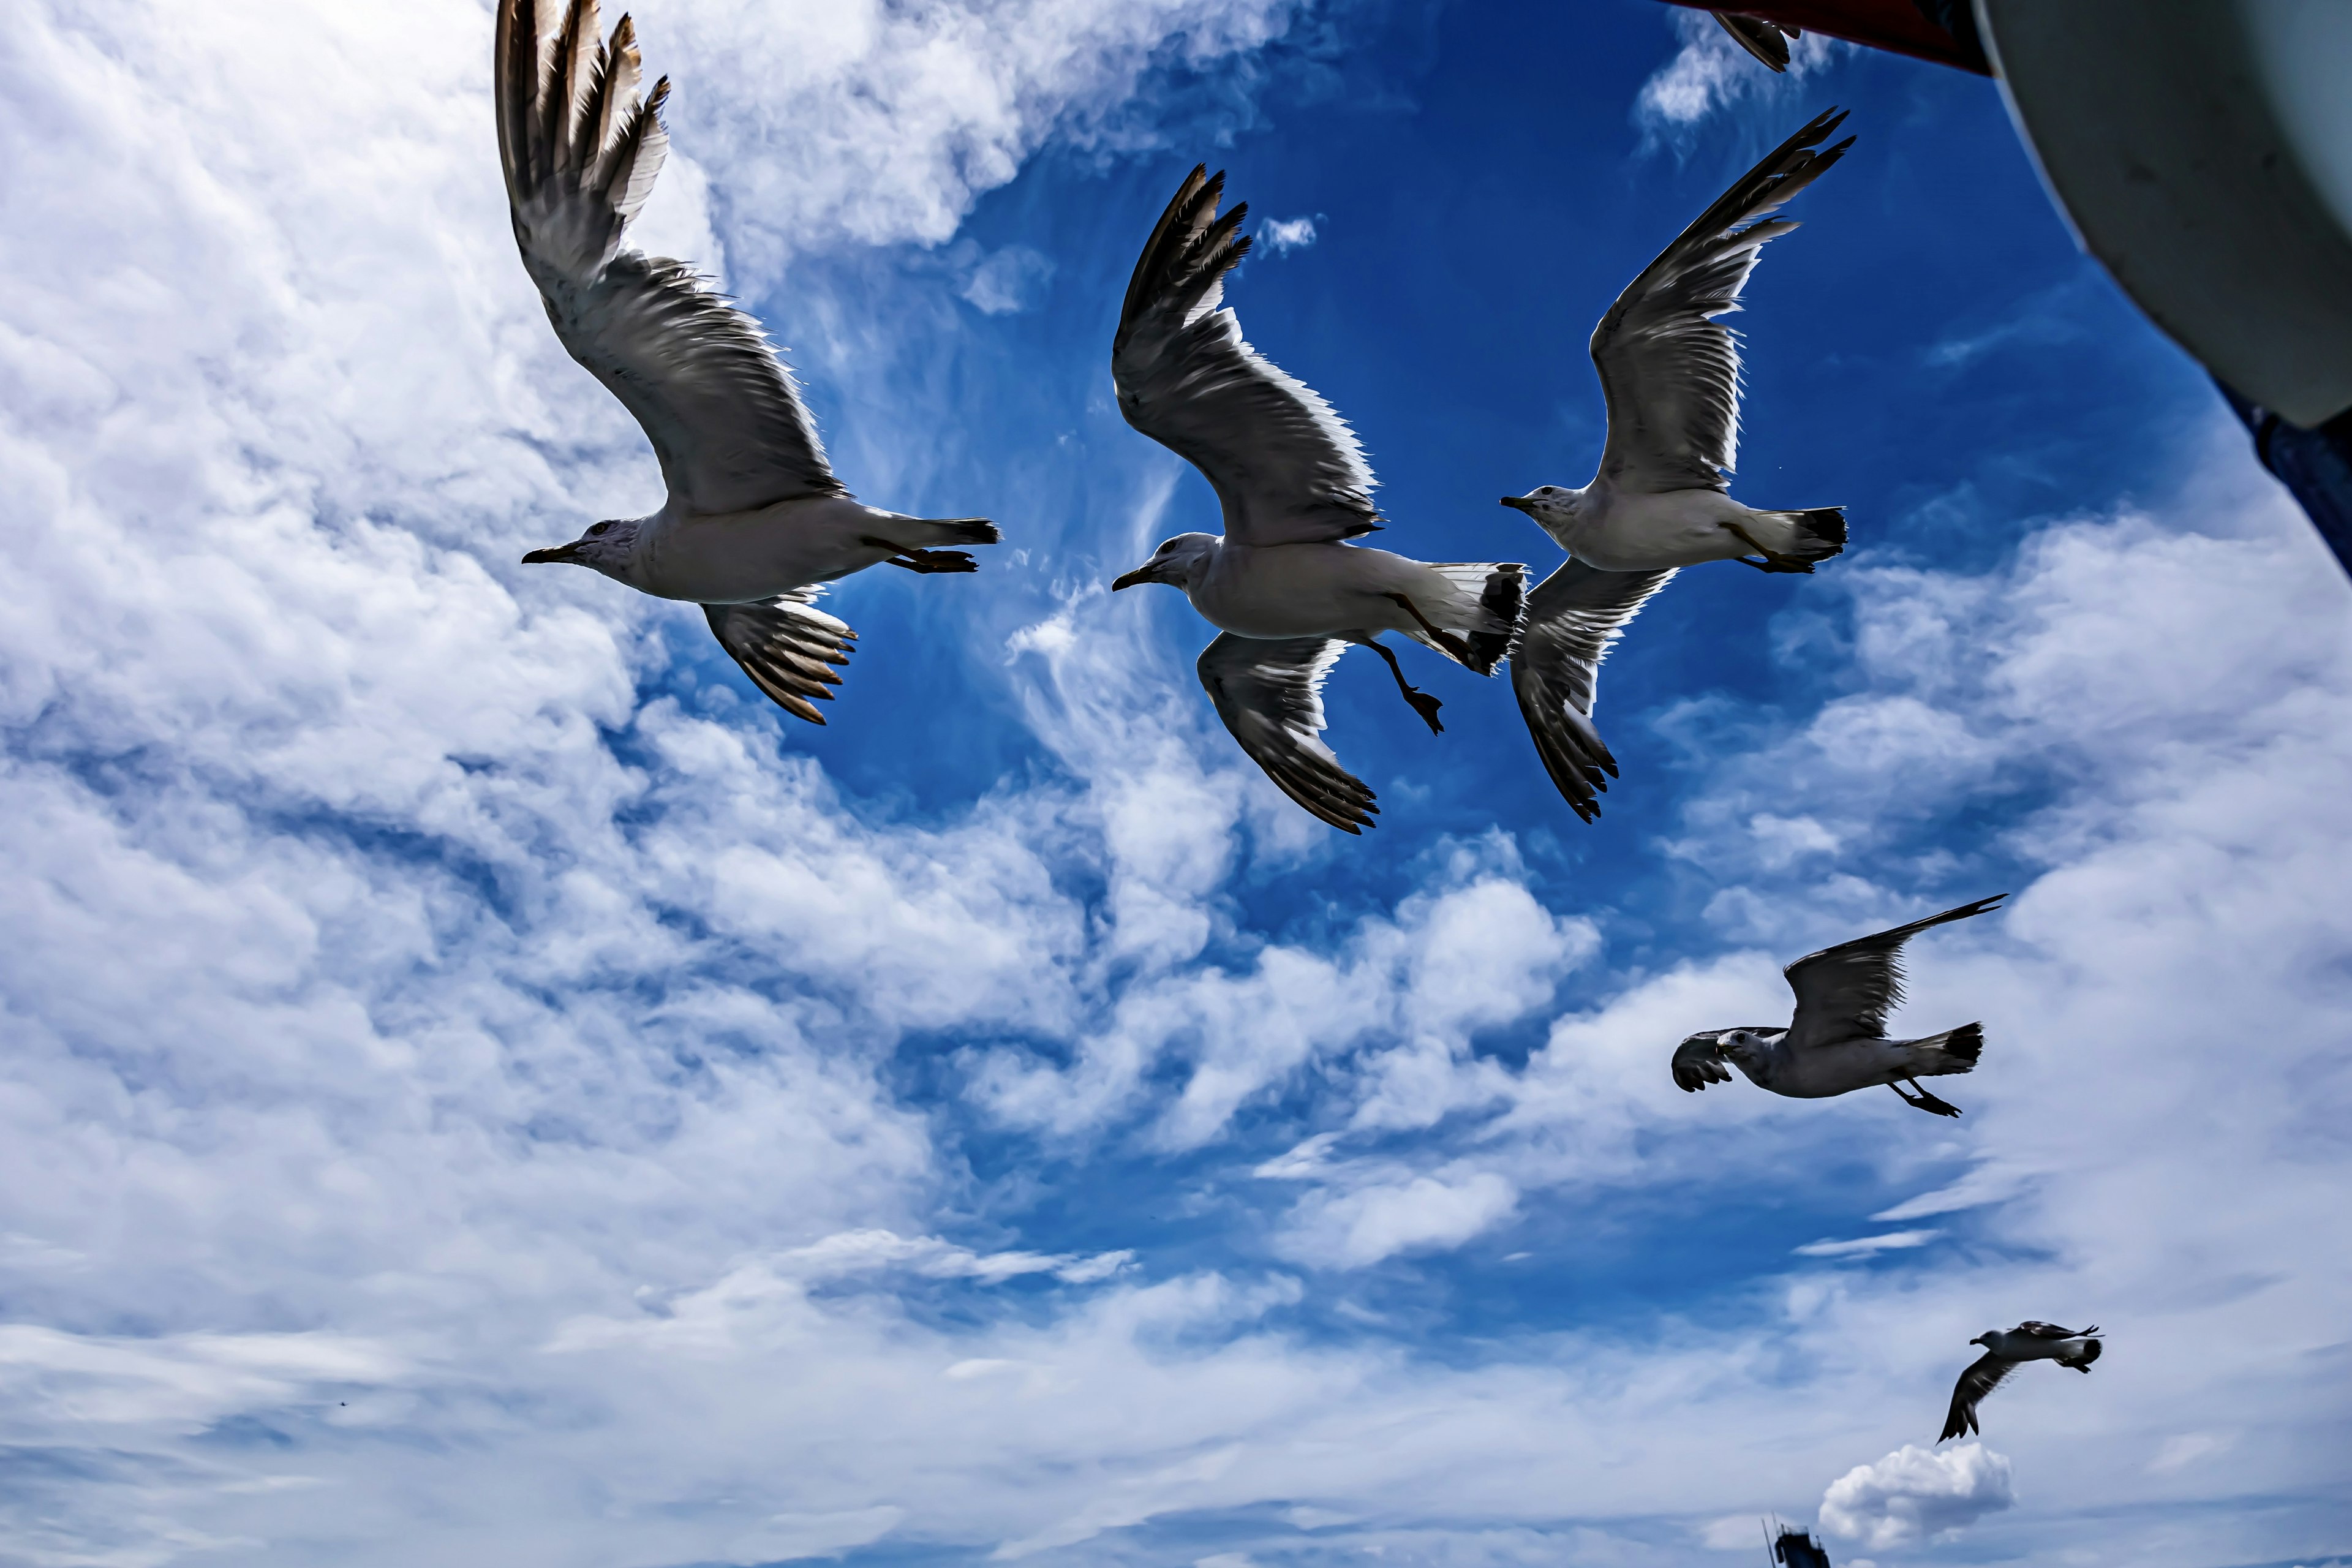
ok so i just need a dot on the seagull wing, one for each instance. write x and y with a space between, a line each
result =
1285 466
1573 617
1767 41
1698 1061
787 647
580 150
1845 992
1982 1376
1269 693
2041 1330
1669 370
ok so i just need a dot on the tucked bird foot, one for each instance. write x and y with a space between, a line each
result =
1423 703
925 560
1924 1100
1443 638
1772 562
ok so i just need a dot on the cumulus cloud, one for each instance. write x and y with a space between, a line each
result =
1287 234
1916 1494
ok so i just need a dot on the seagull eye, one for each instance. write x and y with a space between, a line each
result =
598 529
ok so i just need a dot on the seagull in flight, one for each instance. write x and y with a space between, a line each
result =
1837 1042
1284 586
2006 1349
1670 374
755 519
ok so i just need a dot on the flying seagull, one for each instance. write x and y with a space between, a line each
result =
1767 41
1670 374
755 519
1838 1043
2005 1350
1283 586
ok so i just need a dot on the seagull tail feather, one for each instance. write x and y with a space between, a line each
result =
1953 1051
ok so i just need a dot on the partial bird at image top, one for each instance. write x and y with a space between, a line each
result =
755 519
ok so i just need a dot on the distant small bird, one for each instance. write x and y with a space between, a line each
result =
2005 1350
1767 41
1670 374
755 519
1282 584
1837 1042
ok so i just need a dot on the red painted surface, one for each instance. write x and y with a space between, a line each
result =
1894 25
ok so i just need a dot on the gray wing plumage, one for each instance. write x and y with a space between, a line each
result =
1982 1376
580 150
2041 1331
1845 993
1698 1061
1669 371
788 647
1286 466
1574 616
1767 41
1269 693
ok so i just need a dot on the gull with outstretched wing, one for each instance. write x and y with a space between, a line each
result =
1295 491
1837 1043
755 519
1670 374
2006 1349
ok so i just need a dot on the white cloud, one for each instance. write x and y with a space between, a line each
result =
1352 1228
1916 1494
1287 234
1865 1245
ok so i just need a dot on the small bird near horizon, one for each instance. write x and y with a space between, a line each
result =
1837 1042
2006 1349
1670 376
755 519
1284 586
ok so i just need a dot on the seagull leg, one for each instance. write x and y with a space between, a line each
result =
1772 562
1925 1102
925 560
1423 703
1445 640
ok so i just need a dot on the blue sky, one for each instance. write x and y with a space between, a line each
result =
481 1085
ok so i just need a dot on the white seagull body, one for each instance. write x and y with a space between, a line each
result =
755 519
2006 1349
1837 1042
1670 372
1282 585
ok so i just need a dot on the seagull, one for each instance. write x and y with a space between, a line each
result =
1767 41
755 519
1671 377
1838 1043
1283 586
2005 1350
1670 374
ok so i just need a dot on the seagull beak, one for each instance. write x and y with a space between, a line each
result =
559 554
1520 503
1140 574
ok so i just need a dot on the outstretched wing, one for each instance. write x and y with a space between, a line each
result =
1767 41
787 645
1698 1061
1285 466
1669 370
1269 693
1982 1376
2053 1332
580 151
1573 617
1845 992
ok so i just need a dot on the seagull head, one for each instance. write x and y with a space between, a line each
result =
608 547
1174 562
1553 507
1984 1339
